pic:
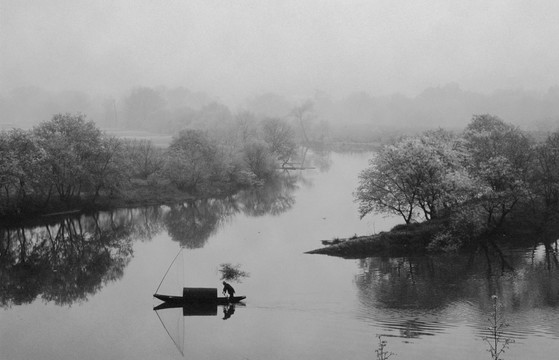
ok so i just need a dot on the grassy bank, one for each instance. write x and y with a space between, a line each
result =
525 227
143 194
139 195
400 240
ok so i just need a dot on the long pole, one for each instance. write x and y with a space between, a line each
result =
166 272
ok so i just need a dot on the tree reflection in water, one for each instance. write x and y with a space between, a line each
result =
192 223
275 198
397 292
65 260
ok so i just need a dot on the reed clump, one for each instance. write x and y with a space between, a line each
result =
497 340
382 353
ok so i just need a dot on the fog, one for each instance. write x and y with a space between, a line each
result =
234 51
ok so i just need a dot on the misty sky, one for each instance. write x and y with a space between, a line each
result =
237 48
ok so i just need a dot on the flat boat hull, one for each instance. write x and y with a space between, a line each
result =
180 300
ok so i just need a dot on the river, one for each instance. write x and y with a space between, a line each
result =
81 287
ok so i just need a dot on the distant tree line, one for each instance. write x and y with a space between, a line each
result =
476 179
358 117
68 161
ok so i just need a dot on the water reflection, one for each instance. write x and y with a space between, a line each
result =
228 311
275 198
195 309
321 159
396 292
192 223
174 324
62 262
65 260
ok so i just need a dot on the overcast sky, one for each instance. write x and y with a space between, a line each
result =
236 48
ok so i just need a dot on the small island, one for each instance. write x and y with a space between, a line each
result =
400 241
488 186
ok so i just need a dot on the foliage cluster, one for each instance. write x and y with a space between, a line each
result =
64 160
68 162
476 179
230 272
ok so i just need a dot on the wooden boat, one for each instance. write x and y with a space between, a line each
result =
198 296
182 300
193 297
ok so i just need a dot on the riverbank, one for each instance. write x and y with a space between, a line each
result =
400 240
526 227
141 194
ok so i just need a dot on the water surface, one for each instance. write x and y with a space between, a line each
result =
82 287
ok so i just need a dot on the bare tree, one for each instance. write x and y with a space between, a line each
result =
280 138
303 114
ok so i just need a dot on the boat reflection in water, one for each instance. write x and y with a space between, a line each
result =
201 309
174 324
194 302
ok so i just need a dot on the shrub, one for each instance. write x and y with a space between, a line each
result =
231 272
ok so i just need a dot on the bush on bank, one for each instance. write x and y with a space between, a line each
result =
477 179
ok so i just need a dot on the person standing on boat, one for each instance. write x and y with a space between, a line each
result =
228 289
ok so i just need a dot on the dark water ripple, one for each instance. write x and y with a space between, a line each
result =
416 323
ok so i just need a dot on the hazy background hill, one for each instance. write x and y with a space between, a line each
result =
167 110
